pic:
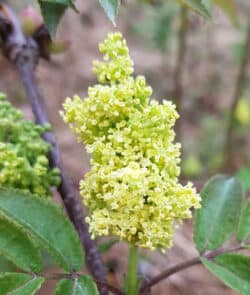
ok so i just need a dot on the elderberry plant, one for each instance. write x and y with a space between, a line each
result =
132 190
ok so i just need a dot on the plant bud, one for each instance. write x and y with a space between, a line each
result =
31 20
57 47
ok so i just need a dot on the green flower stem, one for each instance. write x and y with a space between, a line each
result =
132 287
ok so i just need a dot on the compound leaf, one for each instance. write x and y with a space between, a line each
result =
219 215
46 223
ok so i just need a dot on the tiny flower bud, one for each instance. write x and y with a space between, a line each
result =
31 20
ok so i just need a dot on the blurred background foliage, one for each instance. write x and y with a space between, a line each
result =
214 55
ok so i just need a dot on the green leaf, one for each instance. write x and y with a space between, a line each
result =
218 217
197 5
52 11
229 8
47 224
17 247
10 281
104 247
64 287
47 260
29 288
19 284
83 285
67 3
244 224
244 176
233 270
111 8
6 265
52 14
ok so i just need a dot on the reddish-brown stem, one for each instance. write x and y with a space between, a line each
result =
23 53
72 204
179 267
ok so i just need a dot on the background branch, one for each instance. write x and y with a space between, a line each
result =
24 54
179 70
239 86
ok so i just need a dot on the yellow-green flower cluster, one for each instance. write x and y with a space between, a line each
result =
23 153
132 190
117 65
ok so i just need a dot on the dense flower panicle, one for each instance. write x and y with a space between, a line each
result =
117 65
23 153
132 190
105 107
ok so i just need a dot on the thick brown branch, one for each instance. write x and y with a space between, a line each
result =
182 266
72 205
23 53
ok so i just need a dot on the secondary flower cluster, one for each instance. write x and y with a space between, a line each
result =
132 190
23 153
